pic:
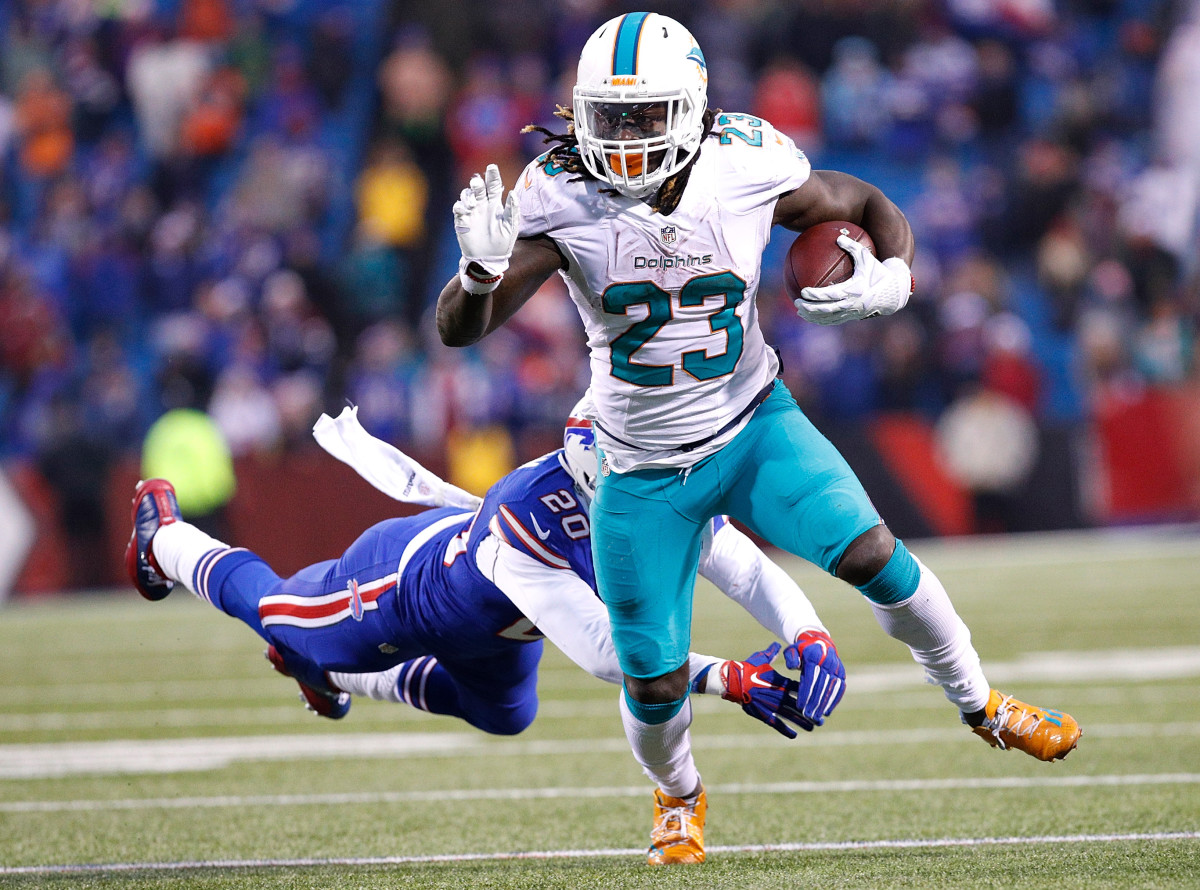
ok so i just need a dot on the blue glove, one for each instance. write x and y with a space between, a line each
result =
822 675
764 694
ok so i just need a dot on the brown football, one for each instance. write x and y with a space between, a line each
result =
815 260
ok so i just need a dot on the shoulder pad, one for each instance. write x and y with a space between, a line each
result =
521 530
545 518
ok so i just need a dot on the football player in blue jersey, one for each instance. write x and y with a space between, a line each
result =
446 610
655 210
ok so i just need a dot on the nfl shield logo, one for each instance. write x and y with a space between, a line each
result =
668 234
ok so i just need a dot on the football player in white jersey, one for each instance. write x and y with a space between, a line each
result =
655 211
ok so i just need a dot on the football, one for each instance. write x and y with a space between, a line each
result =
815 260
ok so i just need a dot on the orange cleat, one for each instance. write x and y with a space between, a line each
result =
678 834
1039 732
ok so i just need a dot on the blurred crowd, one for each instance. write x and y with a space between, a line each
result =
243 207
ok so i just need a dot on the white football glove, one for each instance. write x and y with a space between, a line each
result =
875 288
486 230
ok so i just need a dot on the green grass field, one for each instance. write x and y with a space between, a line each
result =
150 745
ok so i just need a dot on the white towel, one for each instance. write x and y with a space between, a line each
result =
387 468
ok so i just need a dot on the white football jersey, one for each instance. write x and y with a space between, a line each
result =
668 301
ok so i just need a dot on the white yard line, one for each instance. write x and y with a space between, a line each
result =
192 754
636 791
1114 666
1089 547
179 718
833 846
904 687
124 690
1123 666
177 755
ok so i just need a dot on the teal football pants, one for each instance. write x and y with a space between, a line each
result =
779 476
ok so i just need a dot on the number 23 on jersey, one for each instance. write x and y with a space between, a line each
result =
661 309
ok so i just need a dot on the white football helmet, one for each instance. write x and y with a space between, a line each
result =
579 447
639 101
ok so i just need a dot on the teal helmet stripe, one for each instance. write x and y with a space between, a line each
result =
625 49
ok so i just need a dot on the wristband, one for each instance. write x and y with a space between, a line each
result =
473 285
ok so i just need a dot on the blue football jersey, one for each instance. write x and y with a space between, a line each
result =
537 510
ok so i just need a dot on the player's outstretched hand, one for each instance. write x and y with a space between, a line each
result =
763 693
486 230
875 288
822 674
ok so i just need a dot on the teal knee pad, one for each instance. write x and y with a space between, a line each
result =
653 714
896 581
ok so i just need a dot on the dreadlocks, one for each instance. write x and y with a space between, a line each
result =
564 153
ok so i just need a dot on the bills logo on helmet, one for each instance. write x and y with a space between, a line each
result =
579 447
356 601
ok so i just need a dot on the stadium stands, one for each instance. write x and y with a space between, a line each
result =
243 207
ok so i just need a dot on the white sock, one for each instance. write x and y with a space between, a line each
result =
380 685
178 549
664 750
939 641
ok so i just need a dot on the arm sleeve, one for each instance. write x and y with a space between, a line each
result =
744 574
559 602
564 608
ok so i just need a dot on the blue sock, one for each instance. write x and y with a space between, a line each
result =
653 714
428 686
235 594
424 684
896 581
